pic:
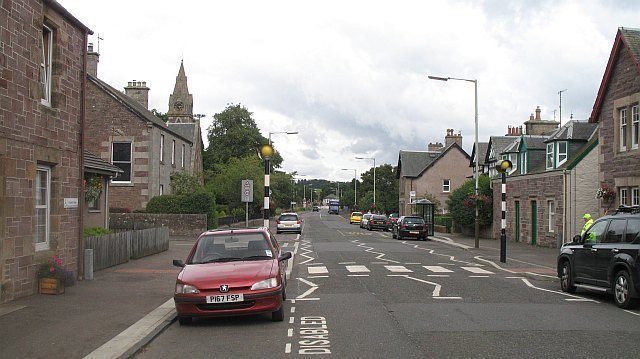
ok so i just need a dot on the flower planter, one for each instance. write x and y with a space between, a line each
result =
50 286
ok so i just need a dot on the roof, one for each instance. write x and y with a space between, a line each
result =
136 107
535 142
64 12
574 130
482 147
184 129
626 38
95 164
583 152
498 144
414 163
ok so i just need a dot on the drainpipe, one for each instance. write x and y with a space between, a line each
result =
81 204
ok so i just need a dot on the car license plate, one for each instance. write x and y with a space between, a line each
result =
414 232
225 298
288 225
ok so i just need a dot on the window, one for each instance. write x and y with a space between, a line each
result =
513 157
173 152
562 153
633 230
161 148
635 126
121 157
624 196
161 189
182 157
446 185
551 205
549 155
45 64
523 163
595 234
43 200
635 196
623 129
615 231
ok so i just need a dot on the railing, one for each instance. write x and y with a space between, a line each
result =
117 248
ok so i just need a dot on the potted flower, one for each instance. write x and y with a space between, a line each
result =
605 192
53 277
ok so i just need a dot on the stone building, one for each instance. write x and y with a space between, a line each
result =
42 111
97 175
122 131
617 112
435 173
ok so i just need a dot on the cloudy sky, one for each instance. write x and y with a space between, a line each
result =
351 76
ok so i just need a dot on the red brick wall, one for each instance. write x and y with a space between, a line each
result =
32 134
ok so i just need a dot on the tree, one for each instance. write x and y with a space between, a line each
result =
160 115
234 134
184 183
461 203
386 189
226 182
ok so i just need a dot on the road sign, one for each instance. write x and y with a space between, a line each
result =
412 196
247 191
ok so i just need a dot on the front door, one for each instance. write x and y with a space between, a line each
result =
607 250
517 234
534 223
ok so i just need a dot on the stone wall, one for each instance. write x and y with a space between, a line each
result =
178 224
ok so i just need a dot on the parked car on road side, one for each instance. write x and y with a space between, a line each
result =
232 272
606 258
378 221
289 222
410 226
355 217
316 209
365 220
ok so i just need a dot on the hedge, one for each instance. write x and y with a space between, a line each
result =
192 203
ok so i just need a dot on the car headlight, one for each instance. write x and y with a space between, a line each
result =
265 284
186 289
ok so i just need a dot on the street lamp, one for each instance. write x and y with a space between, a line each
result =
304 198
475 85
355 186
266 151
283 132
502 168
374 176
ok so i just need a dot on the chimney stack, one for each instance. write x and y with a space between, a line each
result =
538 113
434 147
92 61
138 91
450 138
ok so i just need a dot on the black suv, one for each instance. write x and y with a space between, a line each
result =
606 258
410 226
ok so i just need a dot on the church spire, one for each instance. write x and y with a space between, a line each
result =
181 101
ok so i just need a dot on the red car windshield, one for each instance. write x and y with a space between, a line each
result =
231 247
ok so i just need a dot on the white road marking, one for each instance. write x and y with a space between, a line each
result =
399 269
371 250
476 270
290 332
514 277
438 275
412 263
309 299
436 290
447 297
292 320
318 276
318 270
309 291
358 269
378 262
479 276
293 310
357 275
314 264
526 281
438 269
347 263
630 312
446 264
577 300
287 348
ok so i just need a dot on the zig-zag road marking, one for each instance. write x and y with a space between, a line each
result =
305 247
304 295
431 251
371 250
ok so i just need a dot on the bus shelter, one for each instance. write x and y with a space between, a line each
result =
425 209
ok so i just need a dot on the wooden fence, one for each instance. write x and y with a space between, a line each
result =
117 248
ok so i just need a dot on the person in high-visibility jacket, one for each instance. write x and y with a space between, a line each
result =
588 221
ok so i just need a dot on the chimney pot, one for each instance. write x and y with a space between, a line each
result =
538 113
138 91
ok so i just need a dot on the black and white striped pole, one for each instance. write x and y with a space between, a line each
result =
266 151
502 168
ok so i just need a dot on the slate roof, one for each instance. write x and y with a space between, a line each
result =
184 129
632 38
574 130
498 143
95 164
414 163
482 147
535 142
136 107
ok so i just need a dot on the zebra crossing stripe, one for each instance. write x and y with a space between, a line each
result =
476 270
318 270
399 269
437 269
358 269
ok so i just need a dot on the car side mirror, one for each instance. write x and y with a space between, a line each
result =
178 263
284 257
577 238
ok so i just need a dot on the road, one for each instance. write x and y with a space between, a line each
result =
359 294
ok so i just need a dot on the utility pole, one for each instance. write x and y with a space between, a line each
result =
560 93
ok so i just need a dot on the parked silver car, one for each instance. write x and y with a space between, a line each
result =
365 220
289 222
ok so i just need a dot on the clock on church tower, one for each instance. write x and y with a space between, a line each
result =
178 105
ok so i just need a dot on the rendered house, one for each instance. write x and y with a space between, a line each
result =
435 172
42 91
617 112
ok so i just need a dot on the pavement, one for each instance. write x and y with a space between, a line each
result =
124 307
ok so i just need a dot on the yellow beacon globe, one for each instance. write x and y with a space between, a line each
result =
266 151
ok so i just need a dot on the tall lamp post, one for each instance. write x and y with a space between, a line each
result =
304 199
503 168
476 172
355 186
374 176
267 151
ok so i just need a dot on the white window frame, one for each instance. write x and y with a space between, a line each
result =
173 152
130 162
561 157
635 196
624 196
182 156
523 163
46 205
161 189
46 64
635 126
549 156
161 148
513 157
623 129
551 208
446 185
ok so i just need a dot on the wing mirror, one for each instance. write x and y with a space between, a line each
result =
284 257
178 263
577 238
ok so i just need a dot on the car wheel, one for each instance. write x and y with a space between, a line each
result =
184 320
393 235
622 290
278 315
566 282
278 232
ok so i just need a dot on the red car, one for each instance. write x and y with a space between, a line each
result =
232 272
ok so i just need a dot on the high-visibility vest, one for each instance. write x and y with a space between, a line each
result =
586 226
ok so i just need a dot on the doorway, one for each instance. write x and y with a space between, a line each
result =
534 223
517 234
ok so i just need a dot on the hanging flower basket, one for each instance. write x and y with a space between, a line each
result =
605 192
93 189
